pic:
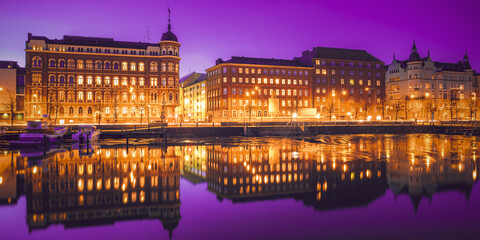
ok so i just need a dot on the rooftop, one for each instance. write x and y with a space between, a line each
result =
263 61
92 41
192 78
337 54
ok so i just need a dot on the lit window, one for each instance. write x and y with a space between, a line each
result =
80 79
124 66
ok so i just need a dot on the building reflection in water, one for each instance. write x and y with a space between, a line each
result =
105 186
78 186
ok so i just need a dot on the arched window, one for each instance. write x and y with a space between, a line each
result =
164 81
61 79
107 65
124 97
98 80
89 96
115 81
124 66
52 78
61 96
133 81
133 66
133 111
70 111
170 97
89 111
176 67
176 97
51 63
164 67
164 97
141 67
115 65
89 80
80 96
71 79
71 96
37 61
107 110
141 81
61 63
80 111
170 52
142 97
80 79
71 63
61 110
170 67
154 67
107 80
80 64
98 65
170 82
89 64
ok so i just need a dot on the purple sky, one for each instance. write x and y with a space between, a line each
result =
210 29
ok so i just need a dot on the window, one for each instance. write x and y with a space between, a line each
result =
141 81
37 62
80 96
154 67
170 67
154 82
141 67
70 111
80 80
116 66
89 80
124 66
133 66
61 63
133 81
107 80
89 64
98 80
98 65
324 71
89 96
352 82
61 79
89 111
115 81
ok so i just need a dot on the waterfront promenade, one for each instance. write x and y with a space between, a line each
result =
223 129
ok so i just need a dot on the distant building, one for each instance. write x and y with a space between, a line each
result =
244 88
12 78
347 83
193 88
90 79
419 88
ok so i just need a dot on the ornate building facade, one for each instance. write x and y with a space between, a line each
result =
89 79
419 88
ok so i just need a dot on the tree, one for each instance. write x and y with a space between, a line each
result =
115 98
356 106
366 104
10 104
141 106
397 106
99 107
330 108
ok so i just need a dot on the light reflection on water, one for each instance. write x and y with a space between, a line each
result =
96 186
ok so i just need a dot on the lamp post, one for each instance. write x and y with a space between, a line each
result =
474 98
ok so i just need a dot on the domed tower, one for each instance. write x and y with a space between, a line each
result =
169 73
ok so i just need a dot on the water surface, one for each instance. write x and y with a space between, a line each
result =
329 187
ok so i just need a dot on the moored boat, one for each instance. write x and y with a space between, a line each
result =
86 133
40 133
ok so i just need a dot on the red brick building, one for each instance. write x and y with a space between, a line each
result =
347 84
253 88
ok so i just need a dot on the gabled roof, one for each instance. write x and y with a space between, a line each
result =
263 61
92 41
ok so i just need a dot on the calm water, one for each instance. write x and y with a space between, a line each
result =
330 187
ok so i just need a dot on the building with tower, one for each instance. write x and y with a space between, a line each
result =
422 89
101 80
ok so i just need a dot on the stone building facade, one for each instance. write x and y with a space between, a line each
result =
90 79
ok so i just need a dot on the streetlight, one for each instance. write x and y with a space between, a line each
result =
474 98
